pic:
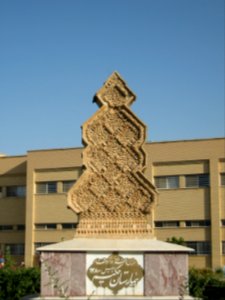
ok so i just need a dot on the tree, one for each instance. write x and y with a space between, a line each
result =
175 240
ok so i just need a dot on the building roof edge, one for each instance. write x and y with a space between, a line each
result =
55 149
188 140
2 155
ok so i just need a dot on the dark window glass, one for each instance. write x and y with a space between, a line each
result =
67 185
223 247
15 249
16 191
198 223
167 182
38 245
201 248
167 224
21 227
200 180
68 225
6 227
222 179
46 226
46 187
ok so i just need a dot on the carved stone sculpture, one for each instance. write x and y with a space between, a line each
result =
113 197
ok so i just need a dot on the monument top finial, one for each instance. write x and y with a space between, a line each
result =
114 92
113 197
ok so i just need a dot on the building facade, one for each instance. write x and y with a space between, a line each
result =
189 175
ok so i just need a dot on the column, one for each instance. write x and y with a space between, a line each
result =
215 208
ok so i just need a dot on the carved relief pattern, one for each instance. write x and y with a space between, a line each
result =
112 196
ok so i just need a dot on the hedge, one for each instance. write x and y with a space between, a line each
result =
206 284
19 282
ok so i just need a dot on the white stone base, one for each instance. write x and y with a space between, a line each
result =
165 268
112 298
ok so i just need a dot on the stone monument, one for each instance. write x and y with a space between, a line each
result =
113 197
114 254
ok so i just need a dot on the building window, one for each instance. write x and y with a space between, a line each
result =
38 245
67 185
15 249
167 182
201 248
222 179
68 225
6 227
223 222
46 226
46 187
16 191
198 223
21 227
223 247
167 224
195 181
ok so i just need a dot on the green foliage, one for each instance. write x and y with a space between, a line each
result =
16 283
202 282
175 240
9 261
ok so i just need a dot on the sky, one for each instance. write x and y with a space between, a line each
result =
56 54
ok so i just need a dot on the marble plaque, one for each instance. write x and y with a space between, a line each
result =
114 274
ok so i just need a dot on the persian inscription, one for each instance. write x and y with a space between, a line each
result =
113 185
115 272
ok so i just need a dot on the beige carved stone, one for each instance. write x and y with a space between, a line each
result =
113 197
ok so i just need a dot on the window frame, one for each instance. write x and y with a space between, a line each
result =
197 223
16 191
167 224
223 247
41 244
6 227
45 226
200 247
44 187
21 227
68 226
222 179
167 182
16 249
201 182
67 185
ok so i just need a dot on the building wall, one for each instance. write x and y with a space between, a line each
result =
182 158
49 208
12 212
196 214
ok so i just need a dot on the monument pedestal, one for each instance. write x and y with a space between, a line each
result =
114 269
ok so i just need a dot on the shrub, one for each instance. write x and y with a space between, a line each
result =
204 283
16 283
